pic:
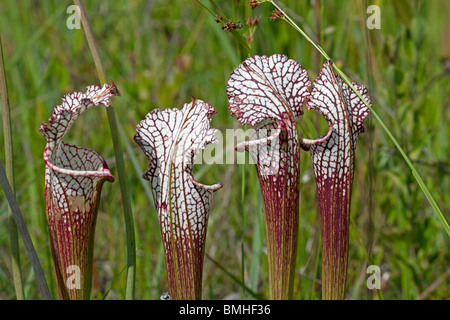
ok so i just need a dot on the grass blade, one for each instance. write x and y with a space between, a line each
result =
242 231
235 279
9 162
416 175
257 244
366 254
413 169
129 224
24 234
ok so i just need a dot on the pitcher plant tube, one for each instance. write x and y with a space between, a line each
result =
333 162
171 139
74 177
270 92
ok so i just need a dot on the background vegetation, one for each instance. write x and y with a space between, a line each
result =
159 53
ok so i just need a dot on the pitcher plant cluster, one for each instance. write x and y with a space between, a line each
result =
266 93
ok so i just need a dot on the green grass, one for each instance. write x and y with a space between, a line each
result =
159 55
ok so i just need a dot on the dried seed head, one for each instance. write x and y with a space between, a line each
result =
229 26
218 19
277 14
254 3
249 39
252 21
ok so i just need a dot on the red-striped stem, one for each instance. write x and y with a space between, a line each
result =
171 139
333 161
270 91
73 180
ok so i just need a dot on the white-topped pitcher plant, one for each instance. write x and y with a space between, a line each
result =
73 181
333 162
171 139
270 92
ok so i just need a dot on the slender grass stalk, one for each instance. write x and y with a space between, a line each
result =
370 132
22 228
242 231
316 269
235 279
115 134
416 175
255 262
9 163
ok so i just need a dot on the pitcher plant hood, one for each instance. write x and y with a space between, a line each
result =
269 92
73 180
333 162
171 138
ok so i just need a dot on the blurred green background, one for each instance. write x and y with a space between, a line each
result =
159 53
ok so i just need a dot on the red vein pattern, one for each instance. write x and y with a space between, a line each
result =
333 161
73 180
271 91
171 139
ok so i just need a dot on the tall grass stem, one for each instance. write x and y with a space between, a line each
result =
21 227
9 166
115 134
242 231
366 254
416 175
